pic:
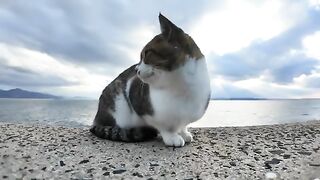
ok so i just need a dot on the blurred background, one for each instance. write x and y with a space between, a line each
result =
255 50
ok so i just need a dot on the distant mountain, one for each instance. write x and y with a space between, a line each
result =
20 93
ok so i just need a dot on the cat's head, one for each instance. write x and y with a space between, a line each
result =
166 52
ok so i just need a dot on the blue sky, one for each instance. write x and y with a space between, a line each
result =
75 48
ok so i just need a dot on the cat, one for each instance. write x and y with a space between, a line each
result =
167 90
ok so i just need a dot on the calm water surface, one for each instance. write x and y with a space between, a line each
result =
75 113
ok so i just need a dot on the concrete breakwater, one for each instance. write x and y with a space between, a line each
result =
287 151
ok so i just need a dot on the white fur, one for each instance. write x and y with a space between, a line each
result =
178 99
126 117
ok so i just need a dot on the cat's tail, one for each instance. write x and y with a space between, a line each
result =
115 133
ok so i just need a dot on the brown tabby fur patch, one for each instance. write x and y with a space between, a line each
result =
169 49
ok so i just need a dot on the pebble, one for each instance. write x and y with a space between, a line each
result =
62 163
119 171
84 161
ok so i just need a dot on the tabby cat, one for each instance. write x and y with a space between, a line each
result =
167 90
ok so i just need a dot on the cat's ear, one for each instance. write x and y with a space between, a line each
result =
169 30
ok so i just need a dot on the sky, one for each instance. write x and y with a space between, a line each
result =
262 49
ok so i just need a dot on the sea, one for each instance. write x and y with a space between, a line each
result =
220 113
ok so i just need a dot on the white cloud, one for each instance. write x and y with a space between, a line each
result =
138 37
311 45
315 4
79 81
312 80
267 89
239 23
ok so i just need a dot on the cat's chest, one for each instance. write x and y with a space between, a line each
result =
187 99
187 106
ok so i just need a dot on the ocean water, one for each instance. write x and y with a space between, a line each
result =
78 113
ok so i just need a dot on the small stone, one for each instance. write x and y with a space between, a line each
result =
286 156
137 174
274 161
257 150
232 163
137 165
44 168
250 165
90 170
106 173
154 164
305 153
267 166
276 151
119 171
84 161
314 164
68 170
104 168
62 163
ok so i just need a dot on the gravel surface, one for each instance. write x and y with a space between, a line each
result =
290 151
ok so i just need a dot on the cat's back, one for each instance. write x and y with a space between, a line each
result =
119 83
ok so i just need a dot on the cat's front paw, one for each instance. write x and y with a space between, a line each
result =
187 136
171 139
